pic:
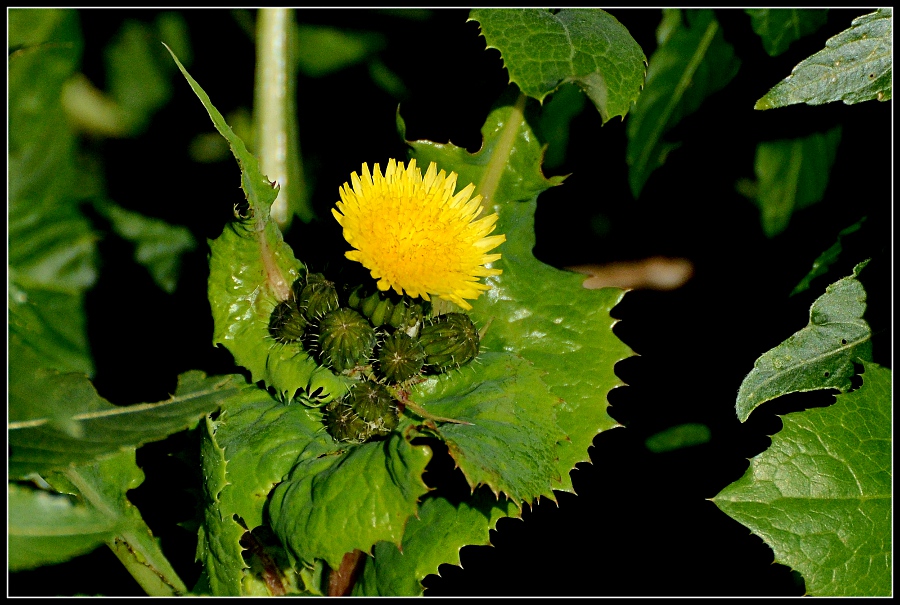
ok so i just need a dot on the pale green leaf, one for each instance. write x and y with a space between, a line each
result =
46 528
778 27
824 261
507 444
820 356
854 66
349 500
691 63
792 174
820 496
431 540
543 49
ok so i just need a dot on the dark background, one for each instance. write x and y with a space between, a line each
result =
641 523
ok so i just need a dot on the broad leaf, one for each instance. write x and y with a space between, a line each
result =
854 66
46 528
338 502
509 443
779 27
251 270
431 540
820 356
792 175
692 62
820 496
824 261
543 49
73 425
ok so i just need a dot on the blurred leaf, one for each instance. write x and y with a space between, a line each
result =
542 49
172 29
46 528
73 425
820 496
854 66
820 356
826 259
778 28
335 503
692 62
678 437
434 538
791 175
158 245
508 446
324 50
555 122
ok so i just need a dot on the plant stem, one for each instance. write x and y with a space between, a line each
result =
342 579
275 110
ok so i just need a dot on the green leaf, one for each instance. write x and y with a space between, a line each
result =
820 356
820 496
692 62
542 49
555 122
678 437
854 66
792 174
323 50
333 504
71 424
508 444
158 245
534 310
251 270
826 259
778 28
434 538
46 528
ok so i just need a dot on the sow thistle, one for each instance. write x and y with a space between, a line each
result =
419 239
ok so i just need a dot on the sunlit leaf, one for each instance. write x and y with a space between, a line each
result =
825 260
820 356
791 175
692 62
820 496
543 49
779 27
854 66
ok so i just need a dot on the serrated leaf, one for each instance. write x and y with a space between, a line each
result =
431 540
534 310
336 503
824 261
509 443
46 528
158 245
778 28
251 270
543 49
854 66
820 356
74 425
692 62
792 174
820 496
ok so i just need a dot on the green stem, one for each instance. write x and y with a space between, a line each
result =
275 110
500 154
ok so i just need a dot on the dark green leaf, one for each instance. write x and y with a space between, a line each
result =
46 528
692 62
556 119
542 50
820 496
792 175
820 356
323 50
73 425
432 539
508 445
678 437
778 27
349 500
826 259
854 66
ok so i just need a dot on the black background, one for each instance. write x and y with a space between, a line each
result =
641 523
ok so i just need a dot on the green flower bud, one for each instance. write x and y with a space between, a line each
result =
399 358
367 412
287 322
317 297
449 340
345 340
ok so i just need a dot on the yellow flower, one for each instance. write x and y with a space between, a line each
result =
416 235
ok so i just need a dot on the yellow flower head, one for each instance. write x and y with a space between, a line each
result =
415 234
